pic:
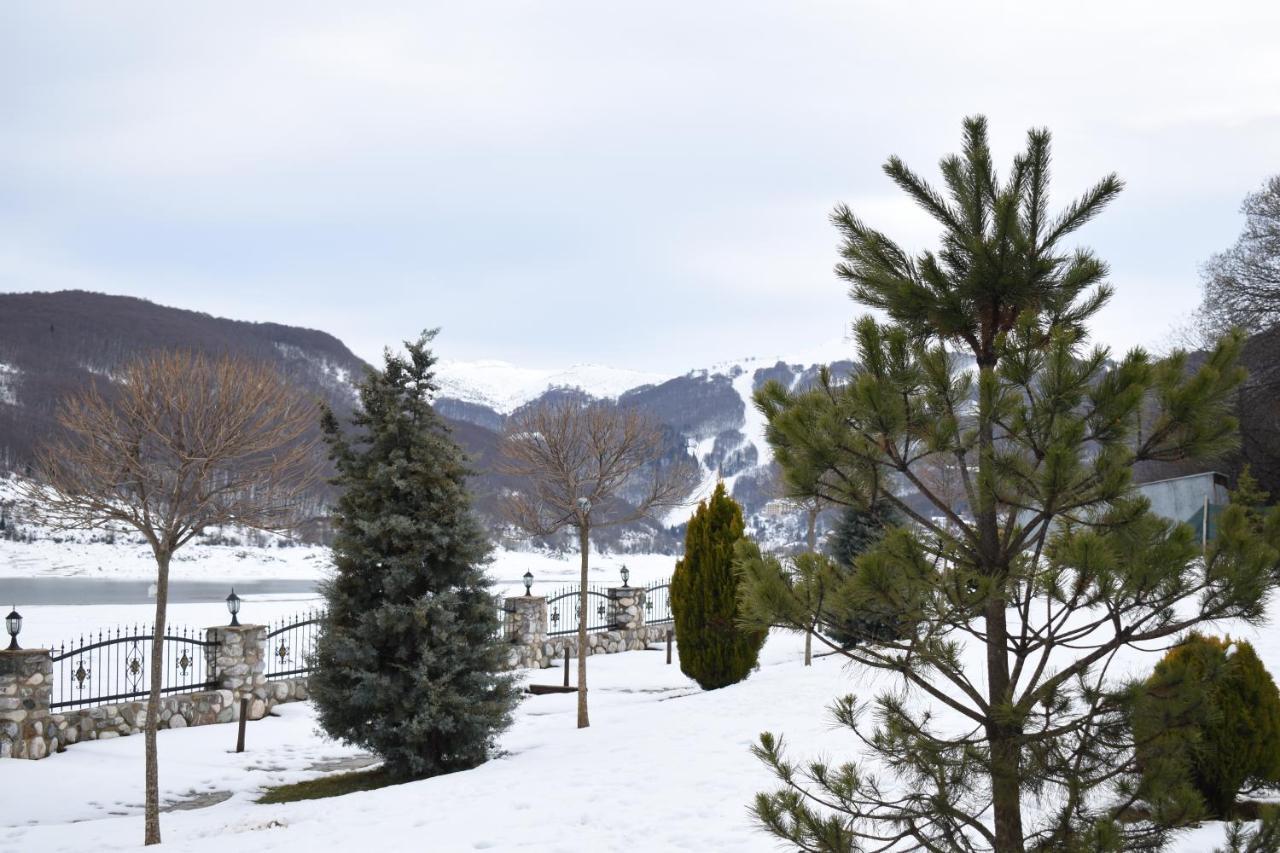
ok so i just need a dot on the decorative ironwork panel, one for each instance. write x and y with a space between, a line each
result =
291 645
657 604
114 665
563 611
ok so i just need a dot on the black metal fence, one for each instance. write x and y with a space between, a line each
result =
115 665
563 610
291 644
657 604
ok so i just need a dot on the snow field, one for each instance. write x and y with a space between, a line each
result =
236 564
664 766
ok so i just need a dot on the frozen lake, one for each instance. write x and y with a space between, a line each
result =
40 591
61 595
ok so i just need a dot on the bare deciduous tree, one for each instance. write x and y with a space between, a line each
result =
573 463
1242 284
182 442
812 507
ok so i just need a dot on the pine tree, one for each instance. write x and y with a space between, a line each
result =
1012 609
407 663
715 650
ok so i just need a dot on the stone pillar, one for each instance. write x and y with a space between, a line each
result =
526 630
526 619
26 688
626 608
238 663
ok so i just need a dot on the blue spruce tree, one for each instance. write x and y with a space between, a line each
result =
408 664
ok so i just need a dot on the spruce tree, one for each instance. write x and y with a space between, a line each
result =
408 664
1013 610
859 529
715 650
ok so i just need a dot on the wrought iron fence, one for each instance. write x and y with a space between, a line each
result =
562 610
657 604
291 644
113 666
502 611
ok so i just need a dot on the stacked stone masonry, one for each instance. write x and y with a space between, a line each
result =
531 648
236 663
26 680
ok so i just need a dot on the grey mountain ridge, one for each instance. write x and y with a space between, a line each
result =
54 343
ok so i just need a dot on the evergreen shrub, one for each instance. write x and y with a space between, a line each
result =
715 649
1211 706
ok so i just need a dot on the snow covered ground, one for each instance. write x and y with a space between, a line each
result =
237 564
664 766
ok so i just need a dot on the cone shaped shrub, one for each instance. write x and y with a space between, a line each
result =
1226 734
715 650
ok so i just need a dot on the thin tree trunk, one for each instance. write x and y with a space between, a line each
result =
1003 738
1006 751
152 809
583 541
812 539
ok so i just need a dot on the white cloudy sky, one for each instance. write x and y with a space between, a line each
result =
639 184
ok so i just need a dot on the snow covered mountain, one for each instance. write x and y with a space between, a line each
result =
504 387
709 413
54 343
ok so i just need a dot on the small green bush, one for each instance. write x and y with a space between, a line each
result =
1212 708
715 649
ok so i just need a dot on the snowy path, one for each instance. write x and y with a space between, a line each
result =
663 767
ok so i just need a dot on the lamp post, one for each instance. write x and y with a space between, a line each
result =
626 575
528 584
233 607
13 624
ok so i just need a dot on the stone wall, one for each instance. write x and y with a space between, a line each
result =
236 667
177 711
26 683
236 663
531 648
550 650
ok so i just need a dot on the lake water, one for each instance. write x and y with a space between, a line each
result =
64 591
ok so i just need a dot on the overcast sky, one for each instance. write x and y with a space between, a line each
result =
644 185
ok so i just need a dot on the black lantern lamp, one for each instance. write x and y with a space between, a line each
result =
233 607
626 575
528 584
13 623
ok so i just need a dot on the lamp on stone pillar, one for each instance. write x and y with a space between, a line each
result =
528 583
626 575
233 607
13 624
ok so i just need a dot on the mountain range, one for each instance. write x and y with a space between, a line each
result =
54 343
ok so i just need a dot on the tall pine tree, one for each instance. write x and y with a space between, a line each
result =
715 650
1005 731
408 664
